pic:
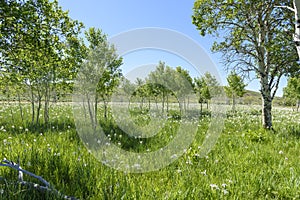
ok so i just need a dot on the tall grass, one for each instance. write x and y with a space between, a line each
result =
247 162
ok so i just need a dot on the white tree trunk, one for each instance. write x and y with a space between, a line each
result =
297 25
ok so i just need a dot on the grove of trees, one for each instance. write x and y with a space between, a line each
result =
37 44
41 53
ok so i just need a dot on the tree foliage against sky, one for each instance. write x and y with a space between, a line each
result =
235 88
292 91
34 49
252 39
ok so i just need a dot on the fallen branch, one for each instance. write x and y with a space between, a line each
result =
17 167
46 188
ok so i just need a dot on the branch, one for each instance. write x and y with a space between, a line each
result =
17 167
287 7
276 86
47 187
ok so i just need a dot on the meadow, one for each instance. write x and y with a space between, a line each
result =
247 162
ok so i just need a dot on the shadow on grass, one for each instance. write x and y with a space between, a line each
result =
37 128
294 131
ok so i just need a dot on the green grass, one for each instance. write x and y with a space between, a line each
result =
247 162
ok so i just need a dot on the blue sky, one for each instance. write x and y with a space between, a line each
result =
117 16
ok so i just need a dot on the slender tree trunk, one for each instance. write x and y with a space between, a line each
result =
32 106
96 110
297 25
201 108
167 98
105 109
46 105
298 105
163 102
38 110
233 103
39 106
90 110
20 107
149 101
84 108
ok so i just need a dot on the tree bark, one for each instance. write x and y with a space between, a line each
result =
20 107
105 109
32 106
167 98
46 105
266 103
90 107
233 102
297 25
201 108
96 109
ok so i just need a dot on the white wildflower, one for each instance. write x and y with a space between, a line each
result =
214 186
280 152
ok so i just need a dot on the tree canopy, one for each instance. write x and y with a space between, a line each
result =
251 38
235 88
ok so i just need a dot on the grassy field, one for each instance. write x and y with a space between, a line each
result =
247 162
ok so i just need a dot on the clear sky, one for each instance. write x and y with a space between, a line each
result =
117 16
